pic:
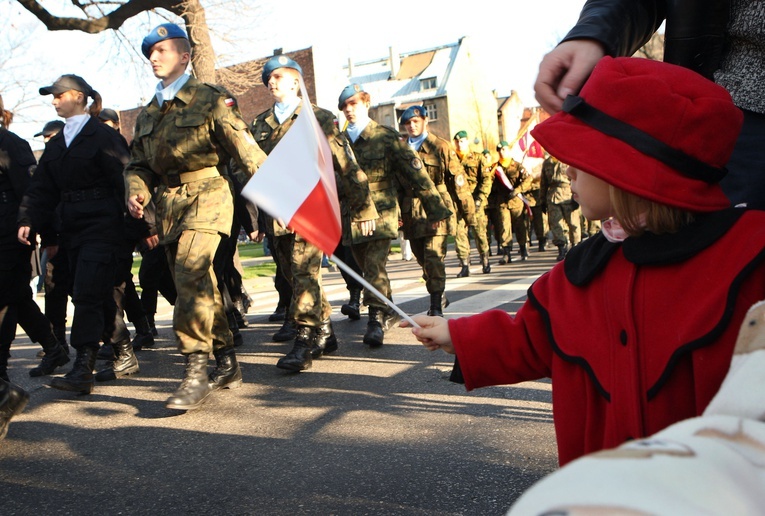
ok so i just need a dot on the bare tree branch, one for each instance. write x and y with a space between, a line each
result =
112 20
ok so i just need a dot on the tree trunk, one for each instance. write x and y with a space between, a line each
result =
202 53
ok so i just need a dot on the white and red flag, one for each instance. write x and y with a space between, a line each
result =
296 184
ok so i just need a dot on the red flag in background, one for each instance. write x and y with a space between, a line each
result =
297 182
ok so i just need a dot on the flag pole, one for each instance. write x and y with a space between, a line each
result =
373 290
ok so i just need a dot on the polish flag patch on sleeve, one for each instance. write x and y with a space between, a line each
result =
230 102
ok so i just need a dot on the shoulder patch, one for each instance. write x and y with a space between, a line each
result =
460 180
416 163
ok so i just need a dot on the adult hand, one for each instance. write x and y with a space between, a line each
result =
151 241
367 227
433 333
135 206
563 71
257 236
23 235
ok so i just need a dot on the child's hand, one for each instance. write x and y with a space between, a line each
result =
434 333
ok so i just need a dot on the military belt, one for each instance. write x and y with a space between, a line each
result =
8 197
174 180
380 185
89 194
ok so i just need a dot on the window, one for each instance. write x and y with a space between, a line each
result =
428 84
432 111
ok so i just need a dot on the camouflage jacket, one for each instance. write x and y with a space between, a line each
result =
458 184
478 177
440 161
352 184
201 128
392 167
555 186
518 178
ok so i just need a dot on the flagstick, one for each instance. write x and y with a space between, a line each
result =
373 290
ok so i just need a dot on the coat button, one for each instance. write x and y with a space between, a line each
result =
623 337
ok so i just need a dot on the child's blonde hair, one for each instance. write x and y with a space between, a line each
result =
638 214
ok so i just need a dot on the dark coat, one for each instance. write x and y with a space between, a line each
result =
16 164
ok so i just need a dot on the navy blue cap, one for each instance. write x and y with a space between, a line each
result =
348 92
51 128
110 115
413 111
278 62
161 33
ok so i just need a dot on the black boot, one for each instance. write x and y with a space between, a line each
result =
195 387
279 314
324 341
234 327
562 251
125 363
13 399
542 244
524 251
465 270
299 358
485 267
435 304
288 331
54 356
152 325
227 374
80 378
143 336
375 334
352 307
506 256
60 333
106 352
239 312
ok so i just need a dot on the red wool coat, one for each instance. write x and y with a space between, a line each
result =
635 336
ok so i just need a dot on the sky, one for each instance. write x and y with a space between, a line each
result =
509 39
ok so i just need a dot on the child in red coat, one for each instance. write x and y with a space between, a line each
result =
664 286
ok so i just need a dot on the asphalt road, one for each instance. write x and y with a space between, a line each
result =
365 431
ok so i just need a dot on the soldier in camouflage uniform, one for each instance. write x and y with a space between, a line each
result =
508 206
479 185
563 212
300 261
184 140
390 166
428 239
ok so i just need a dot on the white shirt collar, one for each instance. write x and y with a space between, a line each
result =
73 126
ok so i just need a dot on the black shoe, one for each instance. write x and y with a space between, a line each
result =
124 364
142 340
437 304
13 399
374 335
279 314
153 327
195 387
524 253
324 340
464 272
52 358
80 378
106 352
353 307
299 358
562 252
506 257
288 331
227 374
486 268
241 321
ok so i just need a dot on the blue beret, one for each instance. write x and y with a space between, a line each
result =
278 62
348 92
413 111
161 33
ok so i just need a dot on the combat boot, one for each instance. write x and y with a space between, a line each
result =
465 270
542 244
375 333
506 256
288 331
352 308
299 358
106 352
80 378
227 374
125 363
54 356
5 354
524 251
195 387
13 399
143 336
279 314
239 312
152 325
324 340
436 300
485 266
562 251
233 326
60 333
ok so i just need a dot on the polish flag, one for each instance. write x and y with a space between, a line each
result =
296 184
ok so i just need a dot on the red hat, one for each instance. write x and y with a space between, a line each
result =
653 129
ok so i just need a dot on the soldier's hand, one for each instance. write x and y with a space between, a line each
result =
23 235
151 241
367 227
433 333
135 206
257 236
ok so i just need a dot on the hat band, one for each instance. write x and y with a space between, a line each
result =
642 141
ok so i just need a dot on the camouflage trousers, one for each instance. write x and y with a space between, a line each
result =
372 257
199 320
565 223
301 262
462 237
509 219
430 253
538 223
